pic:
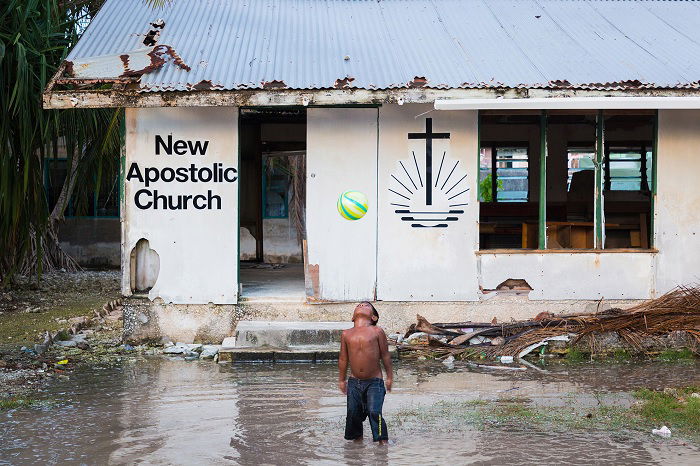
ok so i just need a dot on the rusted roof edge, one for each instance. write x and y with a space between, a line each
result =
62 99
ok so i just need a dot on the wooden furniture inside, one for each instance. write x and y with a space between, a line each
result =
580 235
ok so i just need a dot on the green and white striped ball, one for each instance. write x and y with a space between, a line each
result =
352 205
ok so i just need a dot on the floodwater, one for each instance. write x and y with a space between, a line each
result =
161 411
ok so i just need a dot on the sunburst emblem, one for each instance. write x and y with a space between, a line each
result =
422 200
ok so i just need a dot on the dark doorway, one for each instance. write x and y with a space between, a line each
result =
272 201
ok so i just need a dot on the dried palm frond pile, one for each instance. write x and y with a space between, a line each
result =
676 311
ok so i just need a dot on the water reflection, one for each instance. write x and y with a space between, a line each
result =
160 411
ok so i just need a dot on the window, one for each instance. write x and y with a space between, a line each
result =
579 159
84 202
513 181
628 169
276 184
503 174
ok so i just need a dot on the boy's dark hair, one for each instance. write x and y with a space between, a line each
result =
374 312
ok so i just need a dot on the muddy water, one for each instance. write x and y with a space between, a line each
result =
160 411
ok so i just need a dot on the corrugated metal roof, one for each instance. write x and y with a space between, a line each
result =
370 44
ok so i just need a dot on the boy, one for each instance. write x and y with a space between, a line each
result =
364 346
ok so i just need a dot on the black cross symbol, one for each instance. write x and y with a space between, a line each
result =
429 136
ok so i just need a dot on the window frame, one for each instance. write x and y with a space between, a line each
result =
600 151
494 146
69 213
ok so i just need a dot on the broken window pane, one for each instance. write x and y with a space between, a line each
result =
570 180
508 180
627 180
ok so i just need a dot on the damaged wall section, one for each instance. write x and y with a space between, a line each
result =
574 276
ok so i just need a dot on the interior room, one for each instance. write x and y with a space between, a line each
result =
512 178
272 202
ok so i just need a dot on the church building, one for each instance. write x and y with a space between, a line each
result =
459 159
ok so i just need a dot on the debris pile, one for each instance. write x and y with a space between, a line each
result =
676 311
75 334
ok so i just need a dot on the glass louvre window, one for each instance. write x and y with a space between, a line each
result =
511 171
503 171
628 169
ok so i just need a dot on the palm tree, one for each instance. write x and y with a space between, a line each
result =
35 36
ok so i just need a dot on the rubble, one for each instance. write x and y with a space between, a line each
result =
664 432
672 320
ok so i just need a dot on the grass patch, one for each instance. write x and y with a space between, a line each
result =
674 355
15 403
576 355
676 408
621 355
518 414
23 328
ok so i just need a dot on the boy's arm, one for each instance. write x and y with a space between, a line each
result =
386 358
343 364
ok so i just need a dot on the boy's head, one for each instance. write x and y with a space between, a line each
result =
366 310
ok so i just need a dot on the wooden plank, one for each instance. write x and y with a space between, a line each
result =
643 232
565 251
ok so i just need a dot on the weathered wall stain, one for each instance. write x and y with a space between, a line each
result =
312 272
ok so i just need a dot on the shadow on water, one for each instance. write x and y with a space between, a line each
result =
161 411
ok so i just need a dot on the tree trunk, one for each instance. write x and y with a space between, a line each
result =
46 254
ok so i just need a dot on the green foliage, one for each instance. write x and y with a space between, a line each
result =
576 355
35 36
485 194
621 355
14 403
673 407
673 355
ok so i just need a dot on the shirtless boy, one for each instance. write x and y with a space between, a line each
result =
364 346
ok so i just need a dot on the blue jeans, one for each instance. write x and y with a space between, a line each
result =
365 398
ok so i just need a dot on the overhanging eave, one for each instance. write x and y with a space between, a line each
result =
443 99
608 102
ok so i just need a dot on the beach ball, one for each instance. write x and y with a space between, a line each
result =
352 205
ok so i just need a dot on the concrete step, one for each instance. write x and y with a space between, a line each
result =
279 341
258 333
295 354
272 354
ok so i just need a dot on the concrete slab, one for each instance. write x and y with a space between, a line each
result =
270 354
209 323
262 281
254 333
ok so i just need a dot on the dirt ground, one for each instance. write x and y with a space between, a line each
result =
29 310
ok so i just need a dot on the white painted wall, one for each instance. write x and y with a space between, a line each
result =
677 220
198 249
573 275
341 156
426 264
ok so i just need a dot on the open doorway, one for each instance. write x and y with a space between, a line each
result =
272 203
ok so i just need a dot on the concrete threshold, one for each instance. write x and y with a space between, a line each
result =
271 299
